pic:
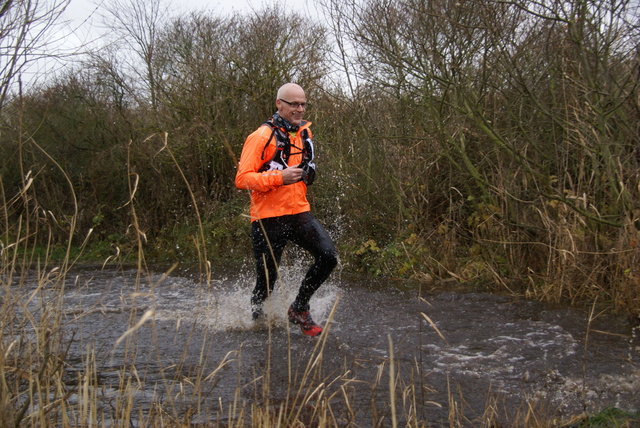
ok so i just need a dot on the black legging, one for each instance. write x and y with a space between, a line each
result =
301 229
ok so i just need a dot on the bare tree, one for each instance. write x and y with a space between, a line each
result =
136 25
25 30
270 48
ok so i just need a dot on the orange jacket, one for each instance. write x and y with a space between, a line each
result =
269 197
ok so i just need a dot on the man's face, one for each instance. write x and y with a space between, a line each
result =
292 106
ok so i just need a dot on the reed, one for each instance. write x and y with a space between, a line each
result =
44 384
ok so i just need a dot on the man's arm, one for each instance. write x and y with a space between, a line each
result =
251 160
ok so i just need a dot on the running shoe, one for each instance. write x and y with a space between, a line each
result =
304 320
257 314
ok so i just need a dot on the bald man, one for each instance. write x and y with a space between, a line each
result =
277 165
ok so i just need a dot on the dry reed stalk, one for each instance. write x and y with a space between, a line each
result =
435 327
452 406
489 417
312 370
392 385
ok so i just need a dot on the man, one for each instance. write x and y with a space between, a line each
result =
277 166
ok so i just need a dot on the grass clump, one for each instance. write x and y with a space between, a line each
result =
611 417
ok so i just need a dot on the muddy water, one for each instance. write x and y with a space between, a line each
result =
462 352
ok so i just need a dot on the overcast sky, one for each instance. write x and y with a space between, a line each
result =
85 22
80 11
81 25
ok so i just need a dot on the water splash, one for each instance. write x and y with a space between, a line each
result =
226 306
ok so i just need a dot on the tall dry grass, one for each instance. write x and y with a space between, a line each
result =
44 384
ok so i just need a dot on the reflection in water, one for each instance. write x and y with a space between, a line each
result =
453 349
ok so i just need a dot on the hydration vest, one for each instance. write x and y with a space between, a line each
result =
282 153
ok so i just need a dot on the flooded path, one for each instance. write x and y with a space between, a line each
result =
453 353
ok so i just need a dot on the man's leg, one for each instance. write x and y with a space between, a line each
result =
311 236
267 250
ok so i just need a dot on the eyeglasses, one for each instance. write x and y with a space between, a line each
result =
296 105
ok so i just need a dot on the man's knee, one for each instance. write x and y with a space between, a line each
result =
329 260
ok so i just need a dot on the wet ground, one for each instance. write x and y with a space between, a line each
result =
181 341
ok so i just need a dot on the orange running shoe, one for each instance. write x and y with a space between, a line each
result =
304 320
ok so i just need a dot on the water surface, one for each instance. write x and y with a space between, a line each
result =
451 350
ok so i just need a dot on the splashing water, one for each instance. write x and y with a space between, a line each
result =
226 307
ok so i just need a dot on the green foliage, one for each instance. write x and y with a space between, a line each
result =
407 258
609 418
226 239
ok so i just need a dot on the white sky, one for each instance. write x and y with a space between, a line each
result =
81 24
87 12
84 19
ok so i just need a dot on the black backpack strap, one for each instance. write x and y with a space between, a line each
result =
307 164
283 148
280 157
273 131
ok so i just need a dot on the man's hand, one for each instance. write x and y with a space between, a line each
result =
291 175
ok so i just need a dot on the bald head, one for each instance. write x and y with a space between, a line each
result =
289 94
290 90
